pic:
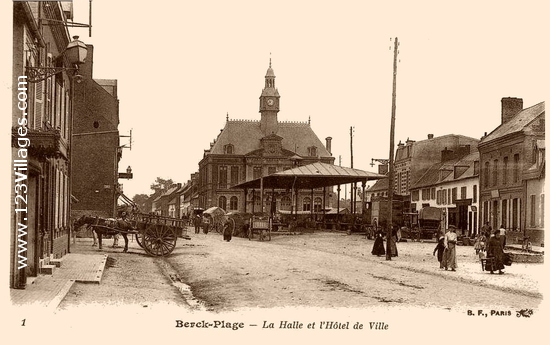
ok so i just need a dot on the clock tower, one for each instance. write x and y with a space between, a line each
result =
269 104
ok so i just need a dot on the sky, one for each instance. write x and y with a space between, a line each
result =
182 66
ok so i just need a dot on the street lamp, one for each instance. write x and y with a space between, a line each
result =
75 53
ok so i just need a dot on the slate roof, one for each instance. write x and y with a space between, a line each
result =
432 176
245 137
515 124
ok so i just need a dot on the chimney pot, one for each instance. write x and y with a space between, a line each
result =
328 145
430 136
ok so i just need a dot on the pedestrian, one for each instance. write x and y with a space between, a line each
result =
495 251
486 229
440 248
392 241
197 223
502 232
449 254
480 243
378 247
228 227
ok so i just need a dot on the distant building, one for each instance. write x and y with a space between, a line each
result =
247 149
512 171
451 185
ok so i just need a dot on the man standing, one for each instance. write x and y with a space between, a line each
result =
197 223
502 233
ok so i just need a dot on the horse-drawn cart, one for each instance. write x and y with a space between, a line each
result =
156 234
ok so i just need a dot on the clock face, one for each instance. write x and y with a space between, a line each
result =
270 101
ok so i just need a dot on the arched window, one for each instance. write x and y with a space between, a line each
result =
317 204
306 204
222 202
286 203
229 149
233 203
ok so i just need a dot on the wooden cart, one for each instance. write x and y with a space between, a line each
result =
260 225
158 234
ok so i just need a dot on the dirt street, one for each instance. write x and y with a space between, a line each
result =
320 270
325 269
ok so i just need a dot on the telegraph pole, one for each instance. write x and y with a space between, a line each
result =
390 167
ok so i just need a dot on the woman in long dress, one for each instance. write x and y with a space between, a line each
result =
449 255
495 251
393 241
378 247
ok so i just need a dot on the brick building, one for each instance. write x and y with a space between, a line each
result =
247 149
96 148
512 171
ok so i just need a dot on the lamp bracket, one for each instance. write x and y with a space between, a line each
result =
36 74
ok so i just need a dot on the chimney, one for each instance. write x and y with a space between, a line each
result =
328 146
447 154
511 106
430 136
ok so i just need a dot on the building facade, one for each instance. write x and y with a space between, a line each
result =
96 149
41 117
512 172
248 149
453 186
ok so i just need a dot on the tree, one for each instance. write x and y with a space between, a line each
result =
141 200
161 185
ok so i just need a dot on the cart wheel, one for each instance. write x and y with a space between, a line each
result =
139 239
159 240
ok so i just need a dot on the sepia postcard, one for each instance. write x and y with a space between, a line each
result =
267 171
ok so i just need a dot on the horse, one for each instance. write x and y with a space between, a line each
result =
106 226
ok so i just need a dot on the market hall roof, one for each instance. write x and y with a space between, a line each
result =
315 175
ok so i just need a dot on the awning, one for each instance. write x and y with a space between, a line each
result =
315 175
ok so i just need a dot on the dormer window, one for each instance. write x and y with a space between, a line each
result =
312 151
228 149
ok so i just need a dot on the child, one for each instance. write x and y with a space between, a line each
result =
439 249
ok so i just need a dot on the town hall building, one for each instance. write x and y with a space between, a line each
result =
248 149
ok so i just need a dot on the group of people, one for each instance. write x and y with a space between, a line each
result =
378 247
492 248
228 227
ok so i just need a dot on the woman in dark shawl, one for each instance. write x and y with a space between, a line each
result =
378 247
495 251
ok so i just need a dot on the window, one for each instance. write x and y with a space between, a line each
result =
233 203
317 203
257 172
222 202
426 194
486 175
504 213
306 204
234 175
312 151
286 203
516 168
454 195
463 193
415 195
222 180
474 193
449 201
495 172
476 168
432 193
229 149
515 223
271 170
504 170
